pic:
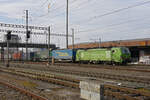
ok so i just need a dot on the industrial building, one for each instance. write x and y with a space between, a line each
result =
139 48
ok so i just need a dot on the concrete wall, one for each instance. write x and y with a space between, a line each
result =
90 90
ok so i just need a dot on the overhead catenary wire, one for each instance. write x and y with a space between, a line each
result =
82 5
58 8
37 10
113 12
132 32
122 9
113 25
98 16
44 3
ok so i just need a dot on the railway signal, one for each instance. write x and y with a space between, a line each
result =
28 34
8 35
72 38
49 33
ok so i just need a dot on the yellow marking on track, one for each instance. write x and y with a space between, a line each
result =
28 84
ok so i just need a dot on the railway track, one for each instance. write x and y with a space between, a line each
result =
121 93
102 75
51 78
125 78
23 91
131 68
125 93
125 68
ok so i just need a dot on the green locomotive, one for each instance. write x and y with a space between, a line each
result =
115 55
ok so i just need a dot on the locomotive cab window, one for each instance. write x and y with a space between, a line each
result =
125 51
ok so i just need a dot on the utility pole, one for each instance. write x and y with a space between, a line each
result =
22 53
67 24
72 38
46 37
7 53
30 35
26 35
2 54
99 42
49 32
8 38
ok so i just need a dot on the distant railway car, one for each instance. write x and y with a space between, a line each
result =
17 56
114 55
64 54
32 56
41 55
6 57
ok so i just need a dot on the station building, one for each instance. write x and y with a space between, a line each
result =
139 48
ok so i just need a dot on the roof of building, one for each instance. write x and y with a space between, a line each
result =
127 43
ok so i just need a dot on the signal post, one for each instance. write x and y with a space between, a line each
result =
8 36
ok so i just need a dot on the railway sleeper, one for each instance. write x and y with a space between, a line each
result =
118 95
50 80
58 77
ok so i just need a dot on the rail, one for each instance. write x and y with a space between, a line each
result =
125 93
121 93
23 91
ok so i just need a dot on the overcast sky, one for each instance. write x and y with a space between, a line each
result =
91 19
